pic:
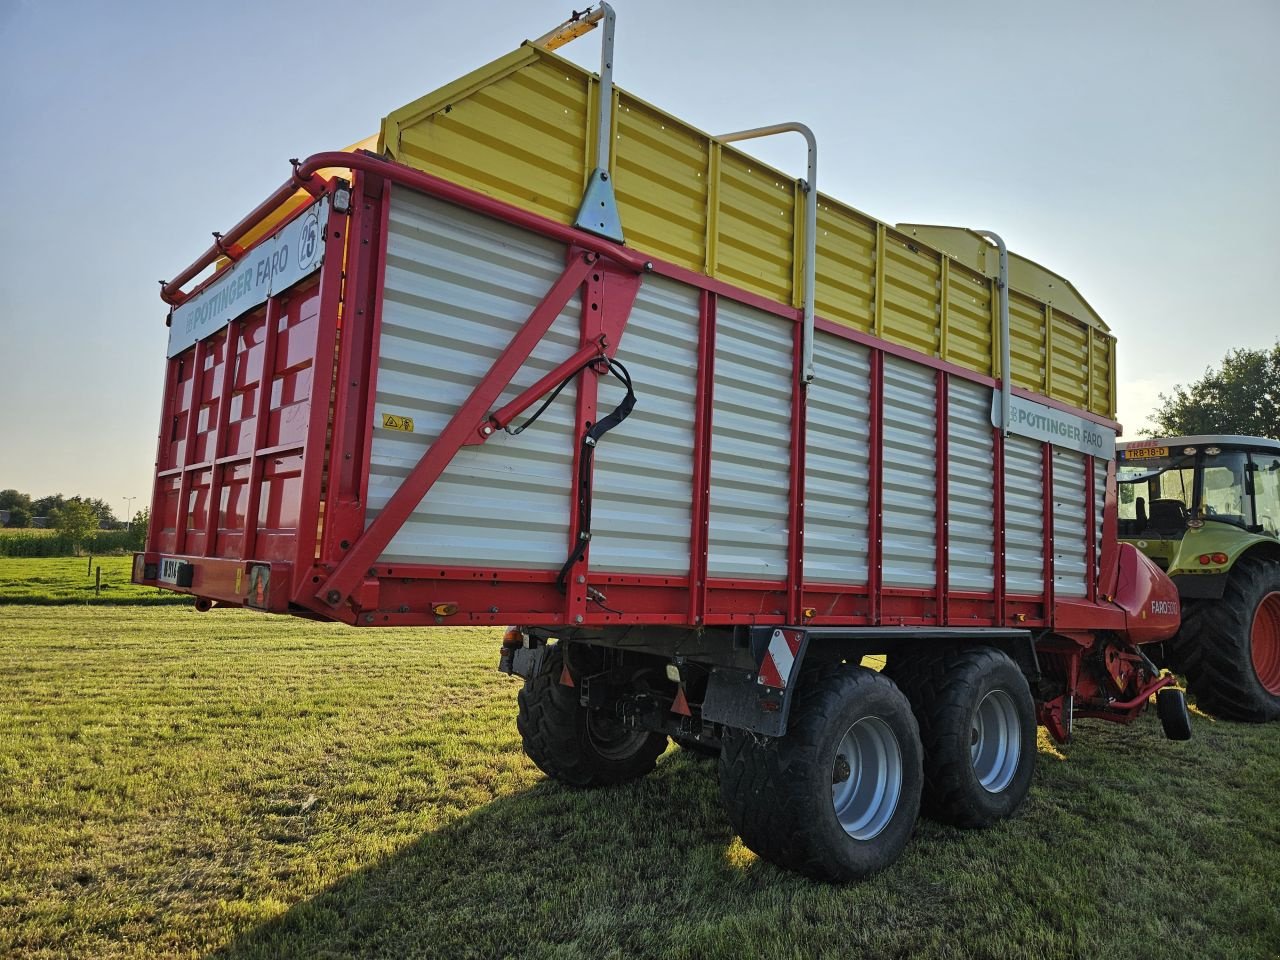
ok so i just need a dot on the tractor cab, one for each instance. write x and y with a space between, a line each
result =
1195 504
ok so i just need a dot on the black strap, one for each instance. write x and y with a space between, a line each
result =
585 466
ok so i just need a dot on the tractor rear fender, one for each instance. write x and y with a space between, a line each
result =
1210 586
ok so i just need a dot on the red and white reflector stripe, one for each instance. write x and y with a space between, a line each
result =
780 659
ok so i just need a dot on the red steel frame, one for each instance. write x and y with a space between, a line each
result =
334 574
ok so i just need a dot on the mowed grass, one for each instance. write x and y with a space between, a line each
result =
71 580
234 785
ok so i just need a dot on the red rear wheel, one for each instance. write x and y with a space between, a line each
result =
1265 641
1229 649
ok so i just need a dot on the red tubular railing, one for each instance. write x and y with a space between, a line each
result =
305 176
1140 700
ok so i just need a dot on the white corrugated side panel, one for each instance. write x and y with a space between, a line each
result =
836 498
1023 515
1070 523
458 287
970 486
643 484
1099 506
909 486
750 444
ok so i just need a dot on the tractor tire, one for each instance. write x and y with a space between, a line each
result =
978 728
577 746
1229 649
837 797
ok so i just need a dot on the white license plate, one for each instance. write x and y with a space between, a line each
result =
169 570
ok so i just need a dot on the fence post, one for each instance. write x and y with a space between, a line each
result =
90 570
97 585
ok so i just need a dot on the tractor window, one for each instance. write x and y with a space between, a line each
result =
1266 492
1177 485
1155 496
1224 489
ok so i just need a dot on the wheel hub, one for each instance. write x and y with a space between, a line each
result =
995 741
611 739
866 778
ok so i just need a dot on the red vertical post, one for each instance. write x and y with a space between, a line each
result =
353 409
875 480
998 511
1090 532
588 387
699 521
315 466
217 445
795 511
1108 563
375 338
262 417
1047 461
942 522
188 446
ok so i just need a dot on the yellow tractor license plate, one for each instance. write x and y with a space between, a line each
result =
1145 453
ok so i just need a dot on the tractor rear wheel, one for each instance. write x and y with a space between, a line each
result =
1229 649
575 745
978 726
837 796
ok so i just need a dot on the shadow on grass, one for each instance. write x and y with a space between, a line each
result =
547 871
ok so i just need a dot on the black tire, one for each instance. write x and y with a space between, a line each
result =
1214 647
978 728
1175 718
781 792
577 746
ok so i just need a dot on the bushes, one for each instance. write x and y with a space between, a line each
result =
39 543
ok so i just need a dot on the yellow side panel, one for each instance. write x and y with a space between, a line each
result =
969 320
1070 360
1102 400
911 314
754 220
660 179
521 129
521 138
846 267
1026 342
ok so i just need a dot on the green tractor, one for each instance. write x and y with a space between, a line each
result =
1207 511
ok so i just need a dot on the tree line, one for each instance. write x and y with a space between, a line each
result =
1241 397
80 523
95 513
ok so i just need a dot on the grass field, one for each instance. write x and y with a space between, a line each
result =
63 580
175 784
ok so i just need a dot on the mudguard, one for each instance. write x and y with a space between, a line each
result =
1148 598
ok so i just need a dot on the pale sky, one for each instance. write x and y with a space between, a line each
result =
1133 147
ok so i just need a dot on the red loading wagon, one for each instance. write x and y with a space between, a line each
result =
706 463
